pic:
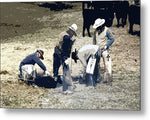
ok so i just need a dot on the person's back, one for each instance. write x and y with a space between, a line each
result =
32 59
29 59
86 51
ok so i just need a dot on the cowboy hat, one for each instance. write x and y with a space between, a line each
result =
41 53
98 22
73 27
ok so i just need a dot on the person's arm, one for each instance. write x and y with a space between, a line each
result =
94 38
58 51
39 62
82 59
110 37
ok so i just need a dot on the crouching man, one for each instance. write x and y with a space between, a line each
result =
27 70
89 56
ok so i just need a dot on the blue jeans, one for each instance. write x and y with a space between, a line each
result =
20 69
57 61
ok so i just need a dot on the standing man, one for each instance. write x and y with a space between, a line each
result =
26 67
62 52
104 38
57 56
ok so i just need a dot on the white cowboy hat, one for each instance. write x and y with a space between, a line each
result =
98 22
73 27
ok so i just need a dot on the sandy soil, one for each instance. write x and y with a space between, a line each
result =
26 27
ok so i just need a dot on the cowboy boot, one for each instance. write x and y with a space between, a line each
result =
107 78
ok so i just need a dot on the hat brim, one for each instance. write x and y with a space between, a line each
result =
73 31
41 55
98 25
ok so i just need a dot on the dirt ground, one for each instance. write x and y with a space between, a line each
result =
25 27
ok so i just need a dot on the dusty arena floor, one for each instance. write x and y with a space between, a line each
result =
26 27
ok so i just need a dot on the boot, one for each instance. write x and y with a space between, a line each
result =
90 80
107 78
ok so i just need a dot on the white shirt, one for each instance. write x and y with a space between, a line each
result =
85 52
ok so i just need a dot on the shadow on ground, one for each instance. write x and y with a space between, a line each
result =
56 6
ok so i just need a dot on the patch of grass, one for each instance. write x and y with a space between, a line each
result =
10 101
20 95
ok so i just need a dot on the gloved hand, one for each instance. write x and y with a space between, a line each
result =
47 73
105 47
65 65
67 61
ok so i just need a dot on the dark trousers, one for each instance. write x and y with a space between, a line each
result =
92 79
20 69
57 61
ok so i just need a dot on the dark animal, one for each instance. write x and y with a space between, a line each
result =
56 6
104 9
121 9
47 82
88 20
134 16
96 10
